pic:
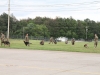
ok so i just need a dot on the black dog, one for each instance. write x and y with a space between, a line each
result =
6 43
26 43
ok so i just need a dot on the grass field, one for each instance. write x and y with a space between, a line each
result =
60 46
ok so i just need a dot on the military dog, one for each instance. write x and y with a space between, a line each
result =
85 45
6 42
26 43
55 42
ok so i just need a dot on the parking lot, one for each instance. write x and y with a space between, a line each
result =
42 62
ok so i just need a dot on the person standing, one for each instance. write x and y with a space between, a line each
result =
2 38
51 40
95 40
73 41
26 40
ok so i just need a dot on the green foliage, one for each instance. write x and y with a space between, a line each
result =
36 30
47 27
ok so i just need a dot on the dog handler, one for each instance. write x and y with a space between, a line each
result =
27 39
2 38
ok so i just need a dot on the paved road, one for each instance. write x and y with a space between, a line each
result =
38 62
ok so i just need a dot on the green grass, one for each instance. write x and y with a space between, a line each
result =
60 46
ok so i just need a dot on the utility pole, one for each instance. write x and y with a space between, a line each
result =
23 32
8 18
86 32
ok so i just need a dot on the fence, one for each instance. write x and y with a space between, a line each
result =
30 37
43 38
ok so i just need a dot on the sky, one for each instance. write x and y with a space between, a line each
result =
77 9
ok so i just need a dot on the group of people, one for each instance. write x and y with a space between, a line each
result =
95 42
73 41
85 45
5 41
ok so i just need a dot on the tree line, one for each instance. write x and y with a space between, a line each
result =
47 27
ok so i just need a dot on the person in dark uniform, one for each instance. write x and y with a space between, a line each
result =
73 41
42 42
95 40
2 38
26 40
